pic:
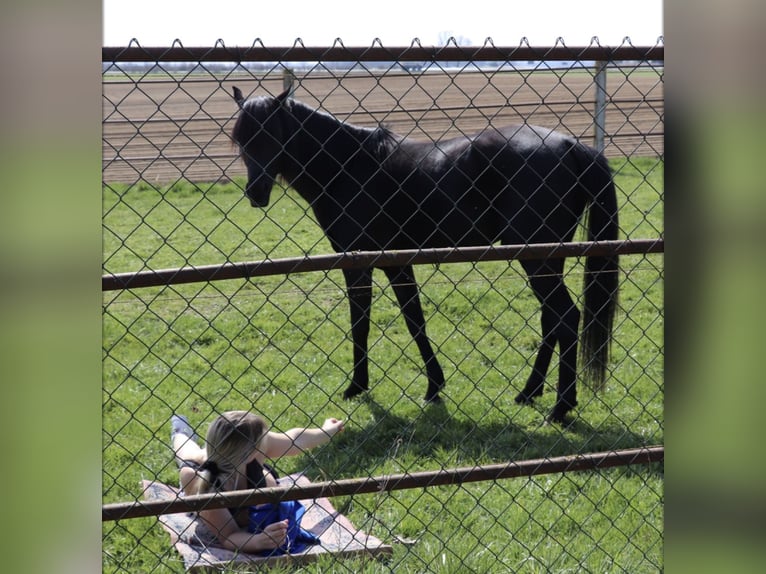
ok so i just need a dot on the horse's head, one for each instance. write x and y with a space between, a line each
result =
259 133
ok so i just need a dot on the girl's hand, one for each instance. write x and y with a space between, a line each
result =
333 426
276 534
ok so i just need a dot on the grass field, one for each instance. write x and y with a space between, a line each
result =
280 345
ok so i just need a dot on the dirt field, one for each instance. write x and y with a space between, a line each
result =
164 128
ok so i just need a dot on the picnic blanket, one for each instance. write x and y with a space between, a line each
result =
197 545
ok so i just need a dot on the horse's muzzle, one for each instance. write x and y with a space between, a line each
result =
258 202
258 192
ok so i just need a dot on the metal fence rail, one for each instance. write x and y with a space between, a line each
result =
210 305
364 259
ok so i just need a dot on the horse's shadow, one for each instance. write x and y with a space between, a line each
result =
436 439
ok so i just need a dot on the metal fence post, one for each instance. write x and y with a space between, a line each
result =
599 115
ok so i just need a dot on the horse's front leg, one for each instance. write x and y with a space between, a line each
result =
536 380
359 289
406 289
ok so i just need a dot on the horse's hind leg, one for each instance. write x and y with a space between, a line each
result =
359 288
406 289
559 320
534 386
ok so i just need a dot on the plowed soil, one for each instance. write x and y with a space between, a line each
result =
162 128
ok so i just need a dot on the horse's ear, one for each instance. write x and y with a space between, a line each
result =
238 97
283 97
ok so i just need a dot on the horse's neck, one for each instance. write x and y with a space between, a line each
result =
321 124
314 129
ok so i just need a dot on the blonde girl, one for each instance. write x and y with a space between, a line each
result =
238 443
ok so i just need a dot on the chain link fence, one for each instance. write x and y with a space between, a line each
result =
210 305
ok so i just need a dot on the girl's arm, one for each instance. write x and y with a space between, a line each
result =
232 537
226 530
298 440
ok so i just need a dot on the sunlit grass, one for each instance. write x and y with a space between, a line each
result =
280 345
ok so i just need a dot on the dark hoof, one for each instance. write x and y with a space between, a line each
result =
563 421
434 400
353 391
524 399
560 415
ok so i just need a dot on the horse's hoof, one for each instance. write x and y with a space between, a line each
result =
524 399
434 400
562 422
559 415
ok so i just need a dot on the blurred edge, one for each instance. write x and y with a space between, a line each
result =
50 256
50 109
716 208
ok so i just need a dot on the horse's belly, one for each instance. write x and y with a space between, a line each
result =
453 228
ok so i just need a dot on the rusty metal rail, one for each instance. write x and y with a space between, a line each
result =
363 259
353 486
414 53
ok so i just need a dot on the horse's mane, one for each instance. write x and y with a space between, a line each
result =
381 141
378 141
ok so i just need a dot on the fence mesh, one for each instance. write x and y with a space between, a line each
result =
280 345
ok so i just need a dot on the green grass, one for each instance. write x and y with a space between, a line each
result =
280 345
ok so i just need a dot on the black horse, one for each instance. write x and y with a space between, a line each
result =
373 190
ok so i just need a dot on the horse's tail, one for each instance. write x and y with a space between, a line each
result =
601 273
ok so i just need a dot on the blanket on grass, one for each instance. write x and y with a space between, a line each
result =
197 545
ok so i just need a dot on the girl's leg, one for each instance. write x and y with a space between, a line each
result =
183 440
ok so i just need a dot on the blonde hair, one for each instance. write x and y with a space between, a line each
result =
231 439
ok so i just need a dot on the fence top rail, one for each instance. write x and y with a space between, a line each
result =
375 53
